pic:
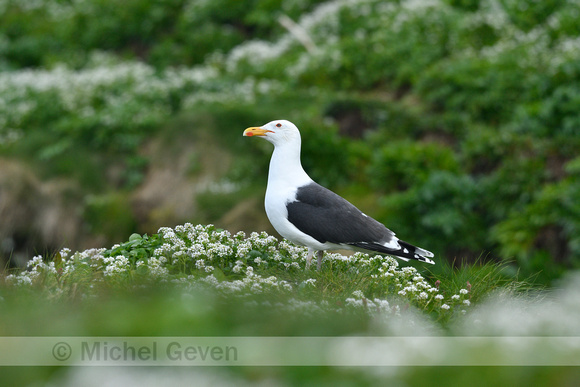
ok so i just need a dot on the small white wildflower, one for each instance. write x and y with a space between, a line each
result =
463 291
383 304
115 265
64 252
411 288
423 295
22 280
445 306
455 297
35 261
210 279
467 302
256 288
439 297
358 294
286 286
155 268
354 302
238 267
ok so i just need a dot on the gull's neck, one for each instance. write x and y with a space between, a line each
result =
285 166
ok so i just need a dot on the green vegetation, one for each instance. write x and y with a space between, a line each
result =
461 115
202 281
203 259
454 122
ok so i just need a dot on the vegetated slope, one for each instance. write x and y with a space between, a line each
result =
456 121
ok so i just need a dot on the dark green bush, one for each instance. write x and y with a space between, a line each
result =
404 164
443 214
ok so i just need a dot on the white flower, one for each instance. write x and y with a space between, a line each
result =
155 268
64 252
463 291
354 302
383 304
35 261
467 302
439 297
445 306
310 281
455 297
115 265
238 267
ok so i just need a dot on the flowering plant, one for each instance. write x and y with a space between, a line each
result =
204 258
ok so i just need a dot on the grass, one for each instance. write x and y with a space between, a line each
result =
202 281
245 275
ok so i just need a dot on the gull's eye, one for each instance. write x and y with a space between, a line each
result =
278 125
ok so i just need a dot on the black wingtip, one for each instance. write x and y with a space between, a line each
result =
406 251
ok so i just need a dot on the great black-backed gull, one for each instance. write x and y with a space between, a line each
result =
308 214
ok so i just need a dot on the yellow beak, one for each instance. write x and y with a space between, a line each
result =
256 131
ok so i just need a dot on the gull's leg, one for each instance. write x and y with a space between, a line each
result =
319 255
309 257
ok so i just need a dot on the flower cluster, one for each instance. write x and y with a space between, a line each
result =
128 96
203 258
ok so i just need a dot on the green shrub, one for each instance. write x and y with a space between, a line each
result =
546 229
443 214
404 164
109 215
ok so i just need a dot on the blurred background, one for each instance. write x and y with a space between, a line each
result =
454 122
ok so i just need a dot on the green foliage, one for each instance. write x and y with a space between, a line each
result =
205 259
527 14
421 36
465 112
553 214
201 281
109 215
404 164
445 207
166 33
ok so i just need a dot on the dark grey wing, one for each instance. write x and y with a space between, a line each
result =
328 217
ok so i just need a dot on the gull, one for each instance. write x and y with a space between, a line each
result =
311 215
